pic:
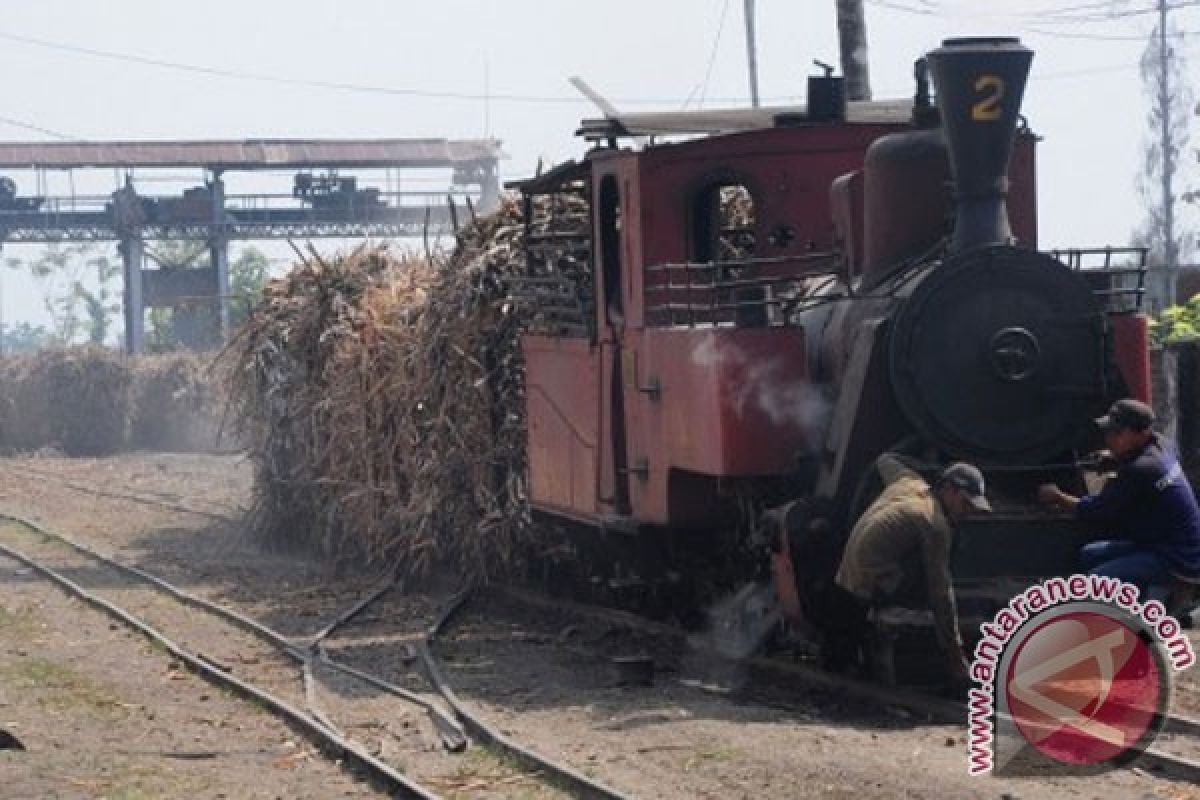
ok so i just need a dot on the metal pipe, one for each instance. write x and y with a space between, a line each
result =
751 52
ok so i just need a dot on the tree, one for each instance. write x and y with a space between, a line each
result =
1178 323
1163 70
852 43
101 303
24 338
1193 196
160 331
247 277
77 303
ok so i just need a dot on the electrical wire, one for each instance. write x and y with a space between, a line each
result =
1137 12
907 9
395 91
1081 7
1102 37
16 123
1087 71
712 56
924 8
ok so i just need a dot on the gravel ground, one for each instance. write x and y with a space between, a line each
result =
699 731
103 714
214 559
702 731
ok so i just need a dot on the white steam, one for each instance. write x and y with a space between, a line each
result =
770 387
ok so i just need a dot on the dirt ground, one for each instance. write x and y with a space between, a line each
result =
104 715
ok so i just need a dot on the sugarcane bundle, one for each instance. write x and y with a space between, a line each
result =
302 372
462 410
382 398
88 392
24 404
176 403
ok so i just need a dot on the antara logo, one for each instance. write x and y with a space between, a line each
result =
1074 672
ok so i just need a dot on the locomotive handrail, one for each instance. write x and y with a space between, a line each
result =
748 262
1098 262
1103 292
733 283
748 291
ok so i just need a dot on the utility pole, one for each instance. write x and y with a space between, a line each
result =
751 52
852 42
1170 246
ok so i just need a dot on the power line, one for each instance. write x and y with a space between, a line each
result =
1061 17
712 56
1105 37
1082 7
16 123
924 10
1085 71
221 72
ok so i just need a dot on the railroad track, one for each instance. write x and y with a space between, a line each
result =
460 723
1179 729
134 598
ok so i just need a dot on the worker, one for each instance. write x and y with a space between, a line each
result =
898 552
1148 510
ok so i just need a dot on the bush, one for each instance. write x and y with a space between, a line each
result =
1177 323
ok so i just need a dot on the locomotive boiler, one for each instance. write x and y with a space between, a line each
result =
741 322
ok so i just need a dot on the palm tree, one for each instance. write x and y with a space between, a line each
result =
852 39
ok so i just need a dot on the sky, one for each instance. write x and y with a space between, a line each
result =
1084 97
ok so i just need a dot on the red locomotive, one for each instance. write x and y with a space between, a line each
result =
765 310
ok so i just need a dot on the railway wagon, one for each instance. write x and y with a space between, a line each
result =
739 311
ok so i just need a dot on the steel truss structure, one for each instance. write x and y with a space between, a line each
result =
322 203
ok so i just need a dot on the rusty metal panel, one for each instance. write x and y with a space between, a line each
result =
251 154
562 404
788 173
171 287
734 402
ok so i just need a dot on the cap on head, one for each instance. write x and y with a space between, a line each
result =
969 480
1127 414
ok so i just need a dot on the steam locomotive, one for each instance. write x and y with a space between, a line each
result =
736 325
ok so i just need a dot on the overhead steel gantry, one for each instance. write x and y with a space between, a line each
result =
323 201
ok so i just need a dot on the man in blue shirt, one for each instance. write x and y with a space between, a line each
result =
1148 508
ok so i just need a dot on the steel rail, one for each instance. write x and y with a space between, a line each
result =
81 487
449 731
309 724
934 708
574 780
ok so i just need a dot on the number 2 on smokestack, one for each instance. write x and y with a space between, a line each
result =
988 109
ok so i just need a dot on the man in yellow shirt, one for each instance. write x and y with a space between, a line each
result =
898 552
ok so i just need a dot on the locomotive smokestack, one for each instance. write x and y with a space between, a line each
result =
980 83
